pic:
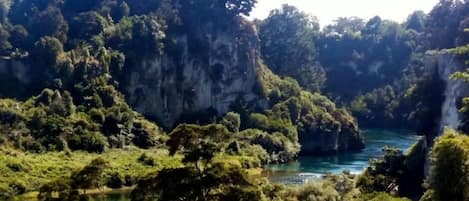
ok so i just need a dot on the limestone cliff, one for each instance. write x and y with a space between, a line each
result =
209 69
332 142
443 63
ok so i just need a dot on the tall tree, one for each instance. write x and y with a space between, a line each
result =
287 46
416 21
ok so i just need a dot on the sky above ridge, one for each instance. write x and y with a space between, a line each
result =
329 10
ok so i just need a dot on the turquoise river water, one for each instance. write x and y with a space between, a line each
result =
310 168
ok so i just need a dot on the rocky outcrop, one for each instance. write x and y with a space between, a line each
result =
210 70
332 143
443 63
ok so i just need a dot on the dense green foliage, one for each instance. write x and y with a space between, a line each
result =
369 65
396 173
449 169
52 122
362 61
81 53
293 107
29 171
287 46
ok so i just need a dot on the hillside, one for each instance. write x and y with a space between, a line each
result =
162 95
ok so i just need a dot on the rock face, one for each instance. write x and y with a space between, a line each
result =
443 63
332 143
211 69
326 143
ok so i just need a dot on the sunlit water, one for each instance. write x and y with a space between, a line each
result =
311 168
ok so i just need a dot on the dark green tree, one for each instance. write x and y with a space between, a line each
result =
91 176
202 178
232 121
287 46
449 174
87 24
46 53
416 21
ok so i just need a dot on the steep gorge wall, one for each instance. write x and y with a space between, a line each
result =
209 69
211 76
443 63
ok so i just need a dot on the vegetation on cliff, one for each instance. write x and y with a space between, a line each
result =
69 127
448 179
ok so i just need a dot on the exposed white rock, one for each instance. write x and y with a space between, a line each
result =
166 87
444 63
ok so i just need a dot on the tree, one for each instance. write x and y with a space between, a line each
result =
198 143
449 171
46 52
287 46
416 21
61 187
91 176
442 24
237 7
344 25
19 37
232 121
194 14
115 181
202 178
49 22
123 10
87 24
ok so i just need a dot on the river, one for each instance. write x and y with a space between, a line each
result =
311 168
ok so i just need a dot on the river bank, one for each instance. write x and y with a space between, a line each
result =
312 168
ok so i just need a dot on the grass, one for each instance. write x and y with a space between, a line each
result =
32 196
33 170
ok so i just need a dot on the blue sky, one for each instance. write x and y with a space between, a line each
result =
328 10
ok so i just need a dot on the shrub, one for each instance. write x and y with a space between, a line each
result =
146 134
115 181
144 159
18 187
88 141
449 171
129 180
97 115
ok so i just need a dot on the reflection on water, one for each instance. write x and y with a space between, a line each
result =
310 168
117 196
